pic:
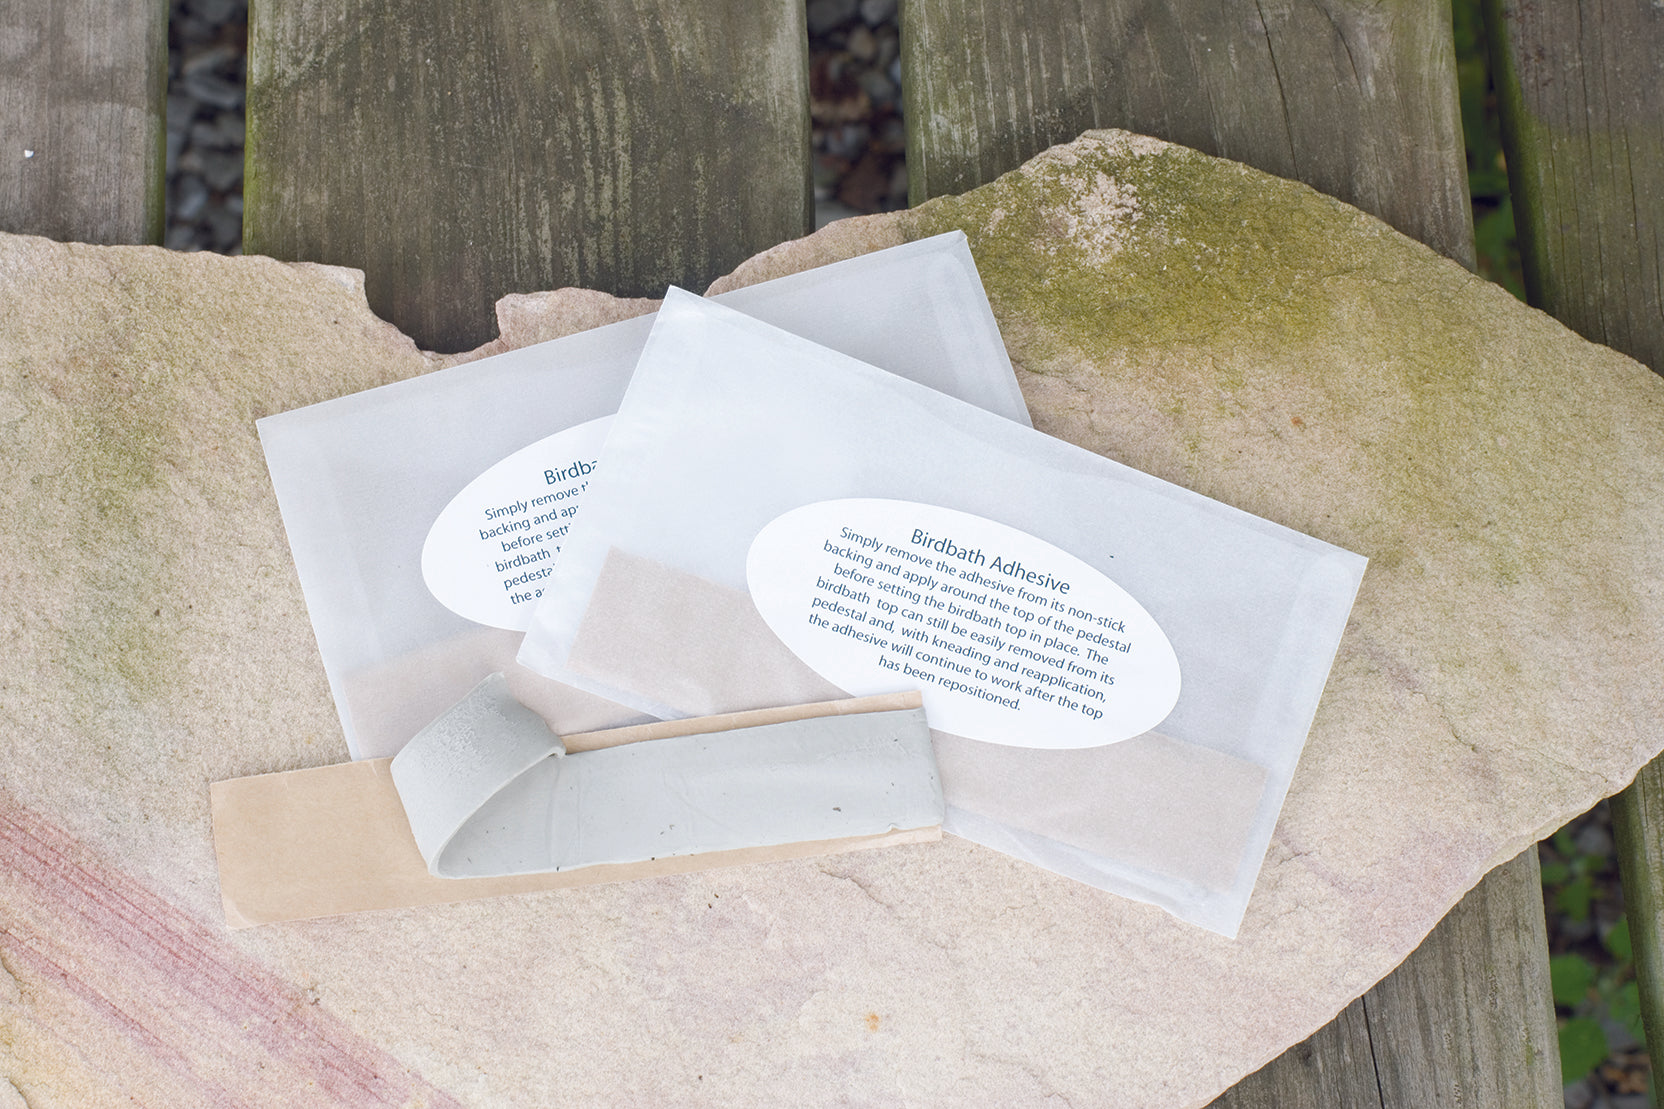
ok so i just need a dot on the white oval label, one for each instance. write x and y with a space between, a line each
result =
1010 639
489 550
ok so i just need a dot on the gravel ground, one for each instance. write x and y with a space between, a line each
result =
206 52
855 107
859 167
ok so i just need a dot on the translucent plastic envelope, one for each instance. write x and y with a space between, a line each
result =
1119 673
424 515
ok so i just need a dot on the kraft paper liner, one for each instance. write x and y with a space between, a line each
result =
304 844
1152 803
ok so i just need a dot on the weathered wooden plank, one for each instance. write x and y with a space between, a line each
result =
1358 100
1581 87
458 150
1638 829
1470 1015
1334 1069
83 106
1355 98
1466 1020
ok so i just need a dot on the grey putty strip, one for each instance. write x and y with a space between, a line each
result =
490 791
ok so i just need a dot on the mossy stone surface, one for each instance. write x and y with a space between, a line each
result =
1229 331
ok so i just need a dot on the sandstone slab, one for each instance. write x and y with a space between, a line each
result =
1225 330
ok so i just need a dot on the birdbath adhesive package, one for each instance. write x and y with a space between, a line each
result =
1119 673
425 515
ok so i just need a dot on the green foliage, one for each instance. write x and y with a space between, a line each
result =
1575 897
1625 1007
1582 1047
1572 877
1493 209
1572 977
1593 978
1498 250
1616 942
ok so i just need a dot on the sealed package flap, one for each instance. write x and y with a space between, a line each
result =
1120 673
424 515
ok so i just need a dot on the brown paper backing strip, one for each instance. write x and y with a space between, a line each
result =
304 844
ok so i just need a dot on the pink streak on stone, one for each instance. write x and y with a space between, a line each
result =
154 981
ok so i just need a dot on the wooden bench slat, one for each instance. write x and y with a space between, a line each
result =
1356 100
1359 102
83 84
1334 1069
458 150
1638 832
1581 88
1473 1004
1466 1020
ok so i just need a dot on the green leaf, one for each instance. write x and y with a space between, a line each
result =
1582 1048
1617 944
1626 1009
1572 977
1574 897
1589 864
1555 873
